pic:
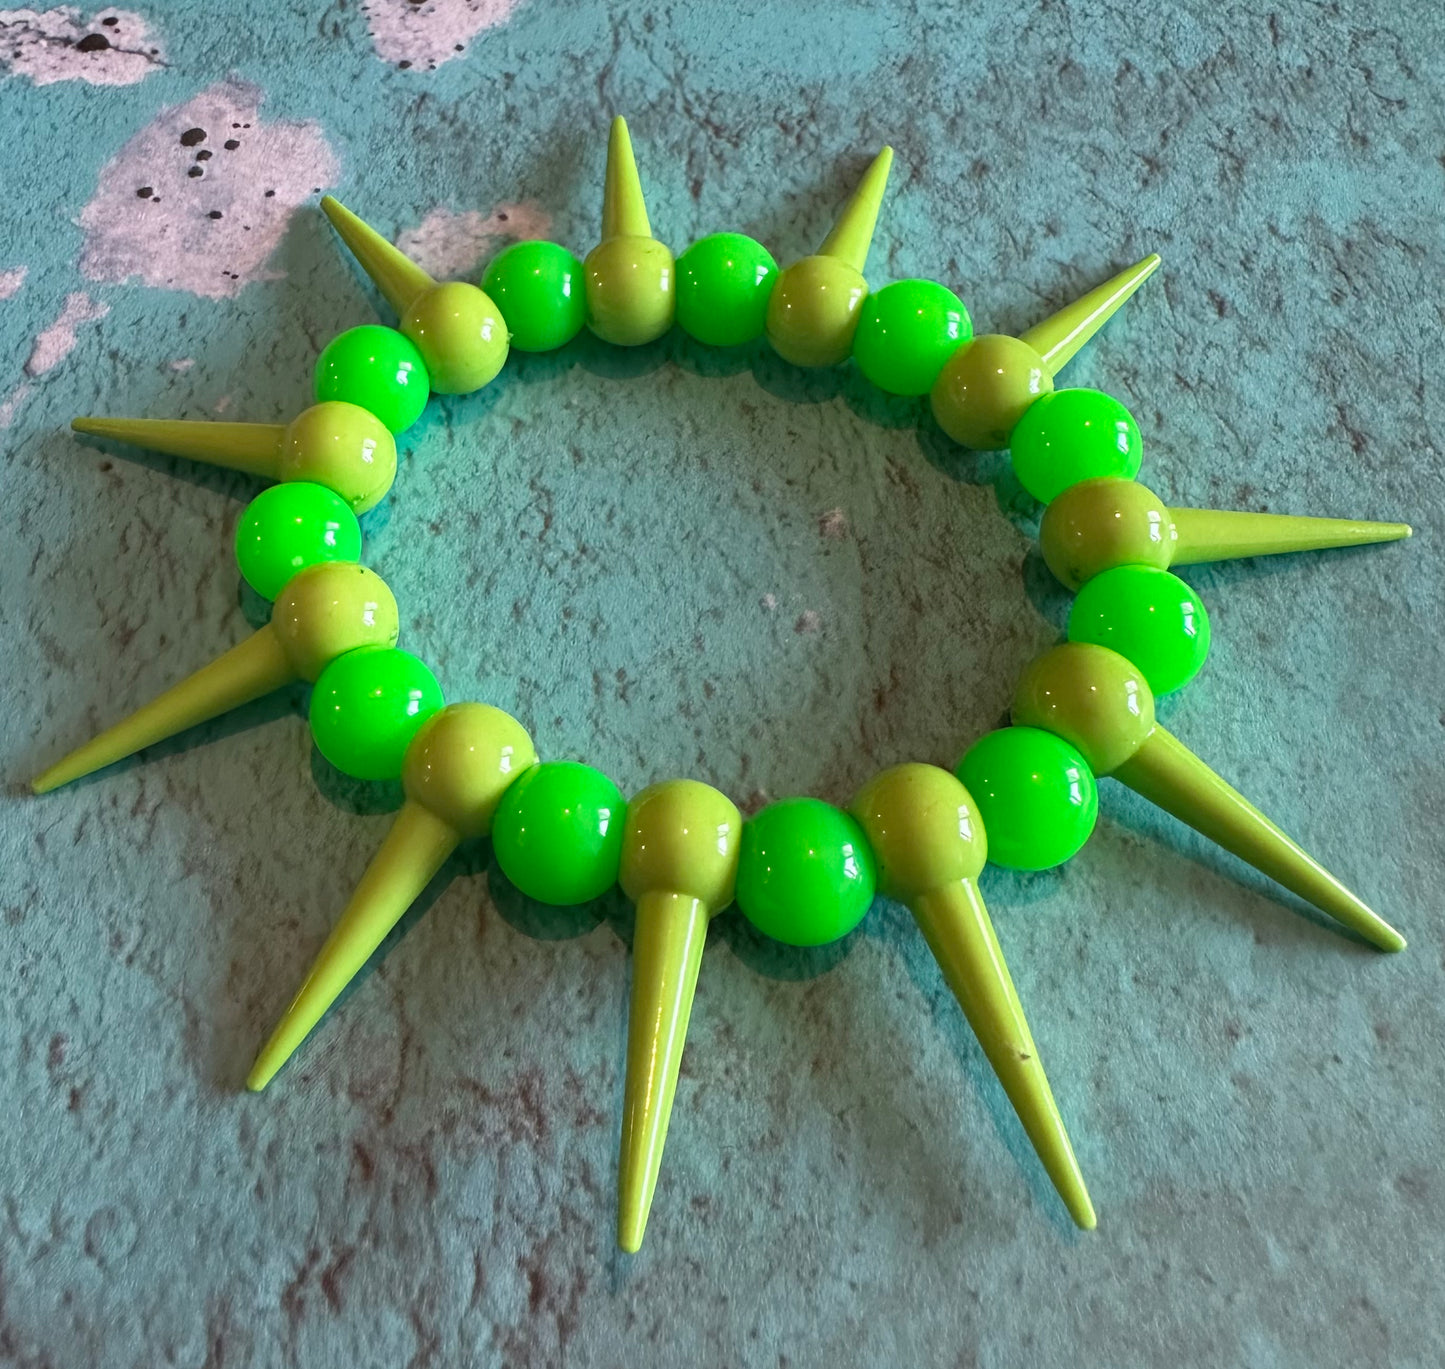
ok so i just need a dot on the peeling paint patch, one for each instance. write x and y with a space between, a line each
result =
423 36
201 197
834 525
57 342
809 620
451 244
115 48
12 280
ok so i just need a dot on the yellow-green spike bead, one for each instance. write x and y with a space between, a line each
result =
984 389
335 444
323 612
1097 525
814 309
460 334
815 306
330 609
630 276
1090 696
679 865
457 328
930 847
1101 704
457 768
343 447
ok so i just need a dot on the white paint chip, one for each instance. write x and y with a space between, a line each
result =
423 36
450 244
12 280
201 197
769 602
55 343
115 48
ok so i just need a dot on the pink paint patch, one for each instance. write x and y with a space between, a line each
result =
808 621
425 35
12 402
201 197
58 341
115 48
834 524
451 244
12 280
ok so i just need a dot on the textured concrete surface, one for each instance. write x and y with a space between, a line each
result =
672 563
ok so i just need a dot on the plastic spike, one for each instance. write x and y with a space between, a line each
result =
1223 534
247 671
956 925
1169 774
624 211
852 235
414 850
399 278
666 955
251 447
1061 335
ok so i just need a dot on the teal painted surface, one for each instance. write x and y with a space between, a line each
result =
671 562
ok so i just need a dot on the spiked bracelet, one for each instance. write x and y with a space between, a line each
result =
800 869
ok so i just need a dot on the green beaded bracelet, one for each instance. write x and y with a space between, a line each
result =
1024 796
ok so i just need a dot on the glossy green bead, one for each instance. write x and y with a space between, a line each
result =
906 332
1035 793
1150 617
806 874
557 833
288 527
377 369
366 708
724 282
539 288
1074 435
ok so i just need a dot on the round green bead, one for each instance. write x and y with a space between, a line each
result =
377 369
366 708
806 873
557 833
289 527
1074 435
1150 617
542 293
1036 795
723 284
906 332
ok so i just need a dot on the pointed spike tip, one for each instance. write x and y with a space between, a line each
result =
1170 775
398 278
249 670
414 850
1060 336
666 956
624 211
852 236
